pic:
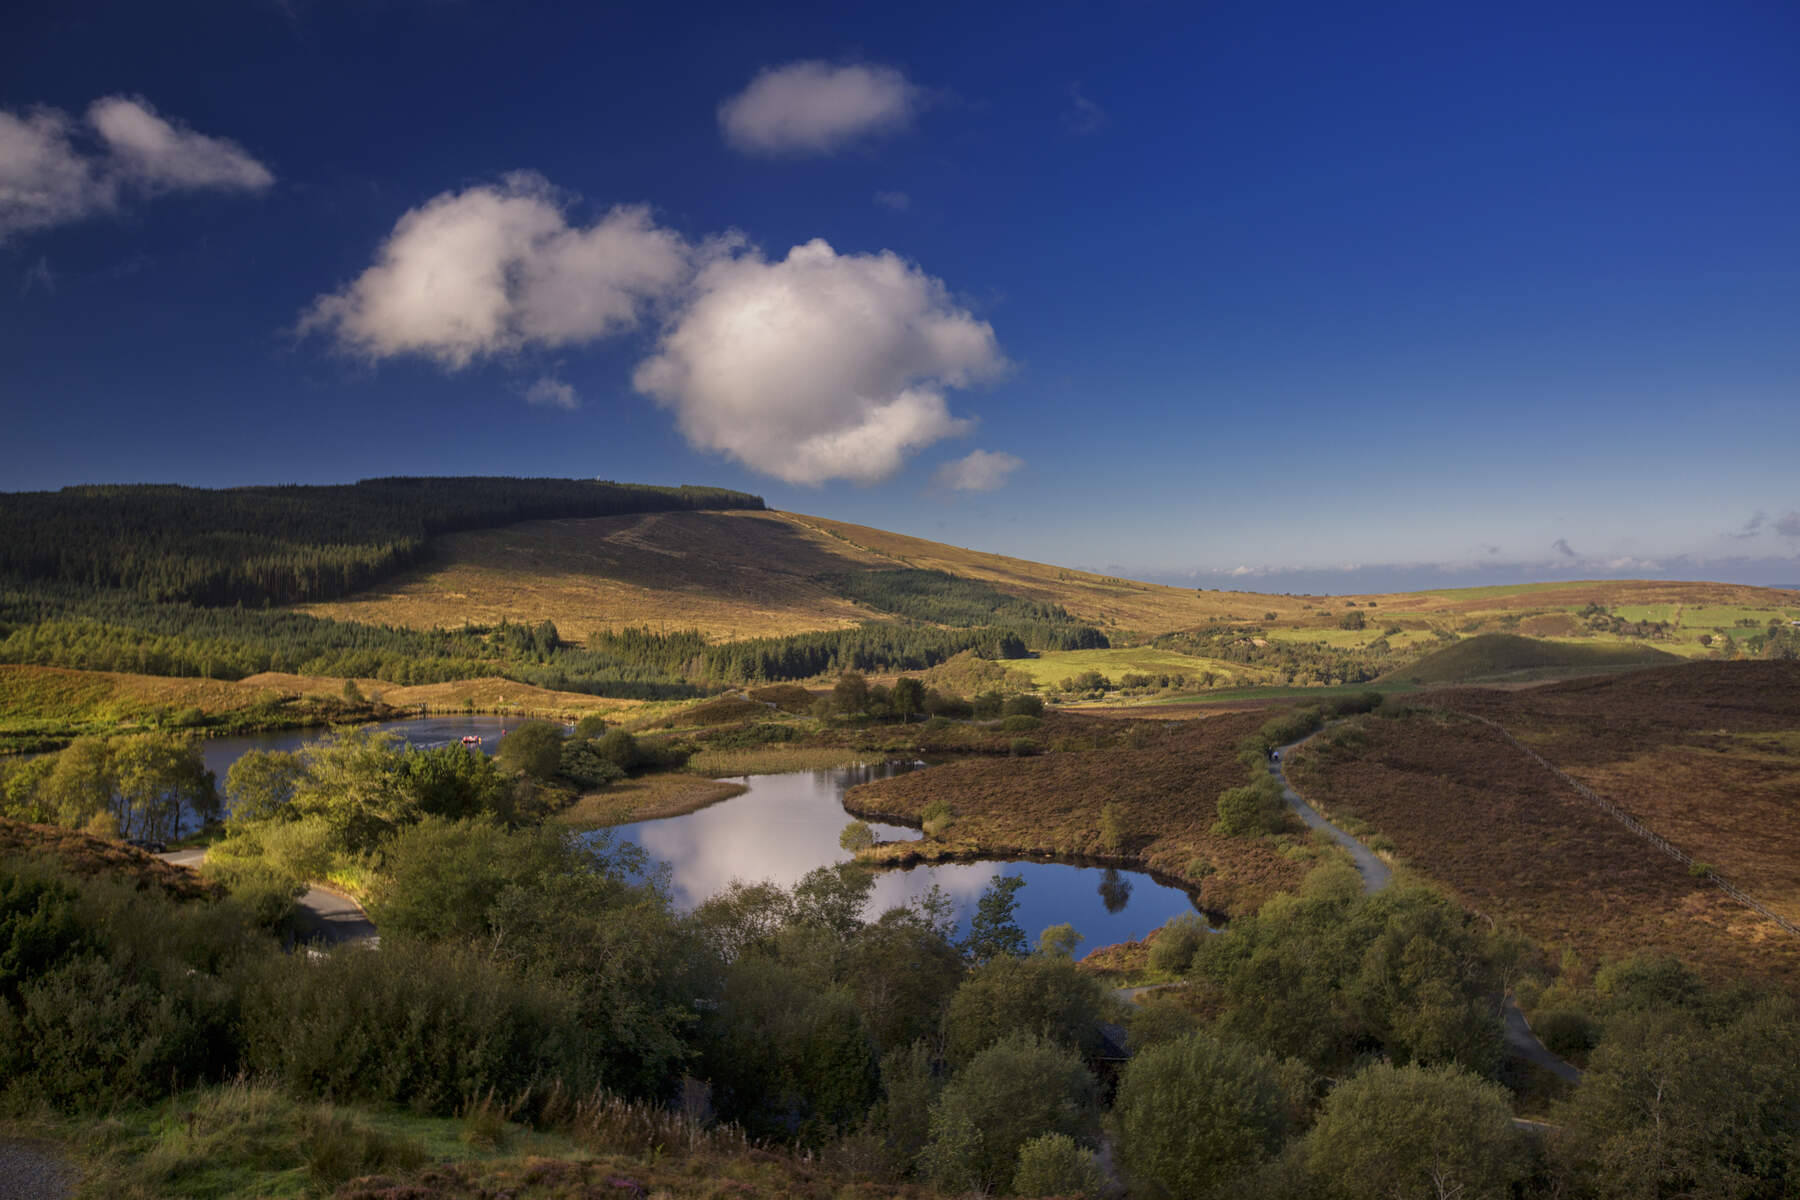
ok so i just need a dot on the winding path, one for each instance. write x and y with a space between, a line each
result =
1520 1040
324 915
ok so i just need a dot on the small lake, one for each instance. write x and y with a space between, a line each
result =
787 825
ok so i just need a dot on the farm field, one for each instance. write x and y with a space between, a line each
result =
1705 755
1050 668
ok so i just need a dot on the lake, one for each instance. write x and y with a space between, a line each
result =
786 825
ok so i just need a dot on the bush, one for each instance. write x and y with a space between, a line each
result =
420 1026
1172 948
937 817
1195 1112
1016 1090
1566 1032
1022 705
1024 748
1047 996
1020 724
590 727
619 748
1417 1131
1255 808
856 836
534 749
1055 1164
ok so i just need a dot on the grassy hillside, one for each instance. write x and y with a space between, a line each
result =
1496 656
761 574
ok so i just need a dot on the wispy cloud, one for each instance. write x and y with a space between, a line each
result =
552 393
55 169
1562 547
978 471
1788 524
813 107
898 201
1083 116
37 275
1752 527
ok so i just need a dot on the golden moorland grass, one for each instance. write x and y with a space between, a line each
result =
752 574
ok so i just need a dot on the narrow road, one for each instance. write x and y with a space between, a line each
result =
1375 873
324 916
1520 1041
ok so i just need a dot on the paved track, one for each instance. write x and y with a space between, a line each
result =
325 916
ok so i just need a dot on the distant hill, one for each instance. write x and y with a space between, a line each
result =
1498 656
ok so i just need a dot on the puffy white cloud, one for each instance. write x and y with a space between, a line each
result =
51 173
978 471
498 267
552 393
817 366
813 107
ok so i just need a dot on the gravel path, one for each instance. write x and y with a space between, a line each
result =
31 1170
325 916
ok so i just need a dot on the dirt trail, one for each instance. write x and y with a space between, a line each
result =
325 915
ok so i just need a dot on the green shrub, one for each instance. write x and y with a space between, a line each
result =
1022 705
1023 748
1255 808
421 1026
1055 1164
856 836
1566 1032
1173 947
1016 1090
1196 1112
1020 724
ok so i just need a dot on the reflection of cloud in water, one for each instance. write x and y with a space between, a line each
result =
787 825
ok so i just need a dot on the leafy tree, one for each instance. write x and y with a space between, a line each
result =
1017 1089
450 782
619 748
1671 1108
159 776
354 782
1055 1164
902 973
1196 1112
850 695
534 749
856 836
907 697
910 1085
993 930
1426 1132
1255 808
1023 705
1112 833
1059 941
261 784
1046 996
590 727
82 781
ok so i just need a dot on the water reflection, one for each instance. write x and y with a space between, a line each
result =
1115 891
787 825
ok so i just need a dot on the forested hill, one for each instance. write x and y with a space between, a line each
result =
283 545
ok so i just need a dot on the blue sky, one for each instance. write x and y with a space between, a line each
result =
1328 298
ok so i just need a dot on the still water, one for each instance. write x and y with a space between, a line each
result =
786 825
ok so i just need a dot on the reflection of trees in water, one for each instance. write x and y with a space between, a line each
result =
1115 891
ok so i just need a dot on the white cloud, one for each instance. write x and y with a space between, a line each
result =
820 365
496 268
1788 524
812 107
552 393
978 471
159 154
54 170
898 201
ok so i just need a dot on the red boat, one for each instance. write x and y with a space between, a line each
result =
471 739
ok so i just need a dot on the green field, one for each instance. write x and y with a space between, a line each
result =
1052 667
1353 639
